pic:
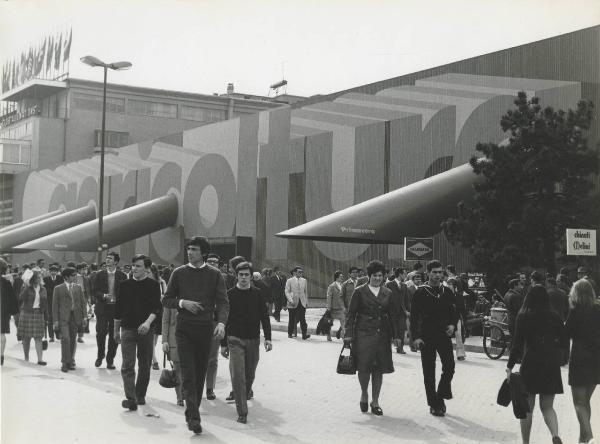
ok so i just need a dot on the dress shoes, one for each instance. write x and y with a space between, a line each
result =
242 419
129 404
141 401
72 366
231 397
42 363
442 406
305 337
180 403
461 358
155 366
64 368
194 426
210 394
376 410
436 411
80 340
249 395
110 366
98 362
290 336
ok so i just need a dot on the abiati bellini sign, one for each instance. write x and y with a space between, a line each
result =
581 242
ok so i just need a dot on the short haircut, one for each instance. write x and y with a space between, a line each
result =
53 268
94 266
375 267
213 256
336 275
513 283
234 261
353 268
433 264
244 265
451 269
147 262
199 241
114 255
68 272
537 277
398 271
39 261
139 257
417 266
296 268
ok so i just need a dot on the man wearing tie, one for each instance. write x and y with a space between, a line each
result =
278 292
69 313
295 293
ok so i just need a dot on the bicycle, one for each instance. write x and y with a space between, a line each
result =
496 337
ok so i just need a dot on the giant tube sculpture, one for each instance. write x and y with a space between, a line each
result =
414 210
32 220
36 229
119 227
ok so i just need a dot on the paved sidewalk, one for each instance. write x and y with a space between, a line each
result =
298 399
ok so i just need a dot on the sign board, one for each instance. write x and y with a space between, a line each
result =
581 242
418 248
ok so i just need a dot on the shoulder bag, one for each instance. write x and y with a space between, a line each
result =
346 364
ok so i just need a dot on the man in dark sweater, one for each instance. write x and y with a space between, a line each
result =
433 320
197 291
137 305
247 312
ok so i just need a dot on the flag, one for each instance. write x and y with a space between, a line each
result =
39 59
22 68
67 50
5 73
57 51
15 74
49 53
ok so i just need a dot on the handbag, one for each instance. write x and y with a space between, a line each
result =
346 364
168 378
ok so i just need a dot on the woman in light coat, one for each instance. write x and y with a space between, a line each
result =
335 305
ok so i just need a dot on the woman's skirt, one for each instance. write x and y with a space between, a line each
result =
373 353
31 324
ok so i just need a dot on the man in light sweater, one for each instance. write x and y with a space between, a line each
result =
136 307
241 344
197 291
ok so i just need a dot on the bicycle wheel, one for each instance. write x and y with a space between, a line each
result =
494 341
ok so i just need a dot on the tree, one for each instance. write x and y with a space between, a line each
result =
534 185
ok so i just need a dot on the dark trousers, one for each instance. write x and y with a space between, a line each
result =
213 364
68 340
441 345
243 360
105 326
134 344
295 315
278 305
193 346
50 325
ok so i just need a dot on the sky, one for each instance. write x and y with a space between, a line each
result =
318 46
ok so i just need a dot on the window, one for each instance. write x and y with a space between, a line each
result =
155 109
15 153
201 114
94 103
112 139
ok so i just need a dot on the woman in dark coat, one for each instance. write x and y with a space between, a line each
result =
539 336
33 303
583 326
369 331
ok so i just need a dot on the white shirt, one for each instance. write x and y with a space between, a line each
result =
375 290
36 301
338 285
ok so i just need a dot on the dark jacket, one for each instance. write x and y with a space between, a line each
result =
278 288
402 301
513 299
27 298
100 288
430 315
370 315
50 285
559 301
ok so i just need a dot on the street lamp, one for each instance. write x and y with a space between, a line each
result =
117 66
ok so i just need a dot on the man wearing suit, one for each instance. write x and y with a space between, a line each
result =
402 300
295 293
105 291
84 282
350 285
278 292
69 313
50 282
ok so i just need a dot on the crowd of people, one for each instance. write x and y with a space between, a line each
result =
210 305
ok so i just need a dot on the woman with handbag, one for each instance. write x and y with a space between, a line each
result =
369 333
169 345
539 336
583 326
335 305
33 303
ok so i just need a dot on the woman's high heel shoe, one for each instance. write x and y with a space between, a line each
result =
376 410
364 406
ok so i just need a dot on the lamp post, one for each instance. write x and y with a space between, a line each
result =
117 66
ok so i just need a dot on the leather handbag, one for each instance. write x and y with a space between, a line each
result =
168 378
346 364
